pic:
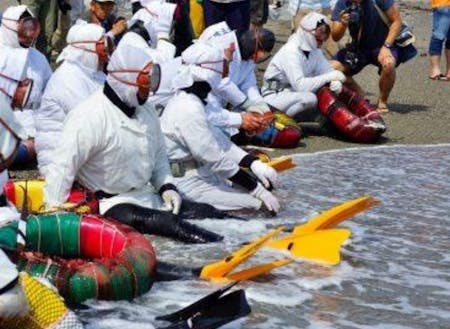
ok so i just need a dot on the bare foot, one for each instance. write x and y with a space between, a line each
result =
382 107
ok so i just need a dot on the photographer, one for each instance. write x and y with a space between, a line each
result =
373 42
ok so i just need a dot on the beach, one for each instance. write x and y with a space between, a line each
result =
419 107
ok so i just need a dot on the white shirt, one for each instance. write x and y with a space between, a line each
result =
69 85
189 135
291 67
105 150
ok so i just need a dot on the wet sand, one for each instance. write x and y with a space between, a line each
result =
419 107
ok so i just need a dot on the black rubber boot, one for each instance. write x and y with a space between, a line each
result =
151 221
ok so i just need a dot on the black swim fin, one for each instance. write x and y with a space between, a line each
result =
171 272
210 312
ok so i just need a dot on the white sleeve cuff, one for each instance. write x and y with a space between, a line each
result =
235 120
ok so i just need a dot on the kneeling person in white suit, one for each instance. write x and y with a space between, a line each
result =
203 159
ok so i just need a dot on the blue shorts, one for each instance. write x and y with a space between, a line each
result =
364 58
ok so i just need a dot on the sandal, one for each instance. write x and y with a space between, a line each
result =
382 109
439 77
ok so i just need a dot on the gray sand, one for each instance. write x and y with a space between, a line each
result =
420 108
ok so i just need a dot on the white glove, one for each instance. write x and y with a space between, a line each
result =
266 174
172 201
335 75
269 200
259 108
336 86
165 11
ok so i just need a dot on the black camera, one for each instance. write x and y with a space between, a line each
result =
355 14
351 57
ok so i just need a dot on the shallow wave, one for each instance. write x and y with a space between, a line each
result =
394 272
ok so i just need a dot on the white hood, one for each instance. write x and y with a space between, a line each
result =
202 63
150 16
132 53
221 36
12 64
8 38
82 31
307 41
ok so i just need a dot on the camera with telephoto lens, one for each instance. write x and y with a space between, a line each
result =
355 14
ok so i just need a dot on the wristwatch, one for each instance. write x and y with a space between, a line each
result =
387 45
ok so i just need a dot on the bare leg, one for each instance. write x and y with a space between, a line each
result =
387 80
434 62
350 82
447 56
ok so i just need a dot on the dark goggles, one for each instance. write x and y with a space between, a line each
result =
28 29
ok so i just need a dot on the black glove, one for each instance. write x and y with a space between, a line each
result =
64 6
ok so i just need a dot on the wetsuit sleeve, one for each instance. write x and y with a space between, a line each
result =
245 180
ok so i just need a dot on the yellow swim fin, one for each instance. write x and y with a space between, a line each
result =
223 267
281 163
333 216
253 272
321 246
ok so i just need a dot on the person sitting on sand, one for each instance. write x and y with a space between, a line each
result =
113 145
300 68
373 42
242 92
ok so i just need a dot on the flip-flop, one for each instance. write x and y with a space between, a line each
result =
382 109
439 77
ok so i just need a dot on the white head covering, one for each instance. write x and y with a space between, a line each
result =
202 62
82 31
8 37
309 22
150 16
221 36
12 64
132 53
